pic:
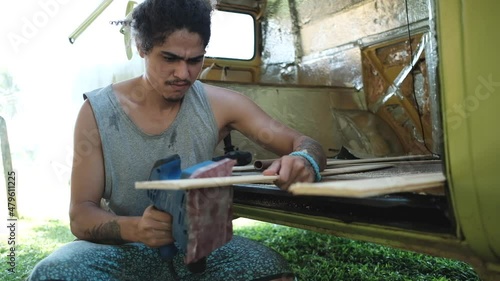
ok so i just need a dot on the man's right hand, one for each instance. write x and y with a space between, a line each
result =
155 228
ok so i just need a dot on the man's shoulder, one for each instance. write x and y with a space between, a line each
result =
96 92
216 90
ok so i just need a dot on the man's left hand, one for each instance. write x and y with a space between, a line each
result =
290 169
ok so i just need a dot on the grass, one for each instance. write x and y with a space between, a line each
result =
318 257
313 256
35 239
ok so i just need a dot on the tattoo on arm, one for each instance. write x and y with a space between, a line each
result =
106 233
314 149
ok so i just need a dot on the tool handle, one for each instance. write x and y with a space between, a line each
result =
167 252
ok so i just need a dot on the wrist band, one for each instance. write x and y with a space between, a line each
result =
305 155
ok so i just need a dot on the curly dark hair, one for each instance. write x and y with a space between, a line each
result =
154 20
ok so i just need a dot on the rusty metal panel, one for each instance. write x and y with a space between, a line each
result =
306 109
359 21
397 90
278 39
329 35
366 135
285 73
354 44
341 68
311 10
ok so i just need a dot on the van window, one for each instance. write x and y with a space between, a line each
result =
233 36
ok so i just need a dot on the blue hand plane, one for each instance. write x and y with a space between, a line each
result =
201 218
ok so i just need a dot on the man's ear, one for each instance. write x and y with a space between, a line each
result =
139 50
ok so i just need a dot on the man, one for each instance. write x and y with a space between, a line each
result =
122 129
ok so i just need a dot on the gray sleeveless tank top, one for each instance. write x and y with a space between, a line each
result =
129 153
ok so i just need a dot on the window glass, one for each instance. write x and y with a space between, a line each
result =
232 36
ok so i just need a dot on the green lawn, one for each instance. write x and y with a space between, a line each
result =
312 255
35 239
318 257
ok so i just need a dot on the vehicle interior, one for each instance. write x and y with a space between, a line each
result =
365 91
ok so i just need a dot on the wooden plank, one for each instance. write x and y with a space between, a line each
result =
330 162
203 182
225 181
262 164
354 169
372 186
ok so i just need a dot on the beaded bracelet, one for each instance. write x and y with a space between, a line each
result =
305 155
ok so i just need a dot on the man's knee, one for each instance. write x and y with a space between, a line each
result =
61 264
49 269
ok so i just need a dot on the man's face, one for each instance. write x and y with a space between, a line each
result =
171 68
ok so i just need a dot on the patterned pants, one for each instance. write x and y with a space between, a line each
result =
241 259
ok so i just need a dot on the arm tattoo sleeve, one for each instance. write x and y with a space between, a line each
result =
106 233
